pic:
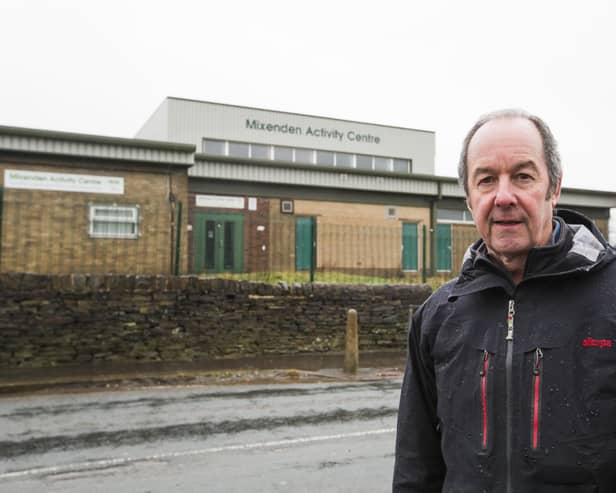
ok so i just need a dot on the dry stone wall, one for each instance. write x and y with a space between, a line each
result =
52 321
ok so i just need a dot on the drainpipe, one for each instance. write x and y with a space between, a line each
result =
171 199
178 232
424 245
433 218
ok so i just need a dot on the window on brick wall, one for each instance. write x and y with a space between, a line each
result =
114 221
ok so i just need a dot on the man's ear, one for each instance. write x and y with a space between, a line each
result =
556 195
468 205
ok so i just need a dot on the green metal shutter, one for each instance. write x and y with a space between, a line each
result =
443 247
1 204
304 238
410 253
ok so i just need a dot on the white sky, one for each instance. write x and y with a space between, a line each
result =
102 67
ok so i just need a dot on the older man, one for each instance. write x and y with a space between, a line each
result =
510 384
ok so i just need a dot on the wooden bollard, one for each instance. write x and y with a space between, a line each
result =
351 347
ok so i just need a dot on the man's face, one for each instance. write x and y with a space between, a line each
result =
507 188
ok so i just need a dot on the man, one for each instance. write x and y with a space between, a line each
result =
511 380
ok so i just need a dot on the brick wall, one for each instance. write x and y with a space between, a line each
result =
257 239
50 321
47 231
282 239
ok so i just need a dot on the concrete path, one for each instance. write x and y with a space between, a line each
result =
300 369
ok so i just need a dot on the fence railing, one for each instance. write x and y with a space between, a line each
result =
69 236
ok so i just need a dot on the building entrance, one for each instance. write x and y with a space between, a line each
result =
219 242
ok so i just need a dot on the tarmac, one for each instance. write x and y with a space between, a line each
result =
309 368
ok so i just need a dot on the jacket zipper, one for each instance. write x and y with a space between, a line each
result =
536 399
509 390
484 399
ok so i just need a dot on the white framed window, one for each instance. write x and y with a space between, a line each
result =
382 163
363 162
402 166
344 160
215 147
288 154
239 149
114 221
282 153
450 216
259 151
325 158
304 156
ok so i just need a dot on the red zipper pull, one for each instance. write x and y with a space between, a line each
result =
484 367
538 358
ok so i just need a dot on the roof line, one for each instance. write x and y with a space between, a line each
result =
588 191
99 139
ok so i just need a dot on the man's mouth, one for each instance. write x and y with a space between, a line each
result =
507 223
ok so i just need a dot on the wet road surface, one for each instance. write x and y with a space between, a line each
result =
308 437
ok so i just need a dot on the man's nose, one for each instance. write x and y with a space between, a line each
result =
505 194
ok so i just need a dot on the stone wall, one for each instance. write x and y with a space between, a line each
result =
50 321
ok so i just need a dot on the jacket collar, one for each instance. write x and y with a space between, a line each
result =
580 247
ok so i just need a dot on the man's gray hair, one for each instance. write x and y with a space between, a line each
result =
550 147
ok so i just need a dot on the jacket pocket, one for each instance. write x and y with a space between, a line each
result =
535 394
484 381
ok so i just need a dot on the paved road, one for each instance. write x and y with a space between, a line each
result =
299 438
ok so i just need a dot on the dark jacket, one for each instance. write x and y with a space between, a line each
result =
513 388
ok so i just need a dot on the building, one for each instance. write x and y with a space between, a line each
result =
364 194
86 203
212 188
274 184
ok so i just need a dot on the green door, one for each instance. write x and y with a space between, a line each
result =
443 247
305 242
219 242
1 203
410 252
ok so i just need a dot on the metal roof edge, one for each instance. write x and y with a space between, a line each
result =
90 157
569 190
98 139
586 191
202 157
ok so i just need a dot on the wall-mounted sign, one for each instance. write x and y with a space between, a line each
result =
63 182
310 131
219 201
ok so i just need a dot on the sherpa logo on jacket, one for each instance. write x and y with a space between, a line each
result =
600 343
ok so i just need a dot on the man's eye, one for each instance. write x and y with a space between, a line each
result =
524 177
486 180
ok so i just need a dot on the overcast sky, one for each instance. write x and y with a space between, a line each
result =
102 67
